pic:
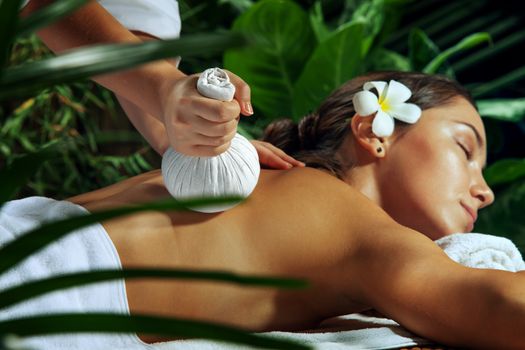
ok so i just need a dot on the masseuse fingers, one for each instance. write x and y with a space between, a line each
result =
205 127
203 140
274 157
242 93
213 110
279 152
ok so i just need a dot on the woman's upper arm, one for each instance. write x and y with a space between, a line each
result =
406 276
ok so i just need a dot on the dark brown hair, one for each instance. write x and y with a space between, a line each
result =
317 137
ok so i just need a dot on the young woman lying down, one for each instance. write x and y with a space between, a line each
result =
358 223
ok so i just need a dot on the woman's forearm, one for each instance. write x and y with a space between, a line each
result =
91 25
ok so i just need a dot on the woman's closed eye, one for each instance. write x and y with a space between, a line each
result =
466 150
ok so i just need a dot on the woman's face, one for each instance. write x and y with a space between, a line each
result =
431 176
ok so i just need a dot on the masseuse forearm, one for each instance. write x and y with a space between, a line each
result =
91 25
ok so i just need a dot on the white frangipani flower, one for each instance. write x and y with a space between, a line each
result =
390 104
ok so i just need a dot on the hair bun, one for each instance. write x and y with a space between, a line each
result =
306 131
283 134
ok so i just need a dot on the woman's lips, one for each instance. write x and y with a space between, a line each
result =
472 214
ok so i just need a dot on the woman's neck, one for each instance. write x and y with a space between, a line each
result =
363 179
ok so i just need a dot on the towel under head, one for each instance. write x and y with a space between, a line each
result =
482 251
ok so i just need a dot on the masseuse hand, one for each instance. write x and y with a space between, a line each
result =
202 127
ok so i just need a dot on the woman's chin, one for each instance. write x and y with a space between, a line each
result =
436 233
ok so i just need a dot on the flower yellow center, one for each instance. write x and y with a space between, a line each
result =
385 106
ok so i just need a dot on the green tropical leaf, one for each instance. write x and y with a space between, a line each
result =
282 40
372 15
95 60
383 59
333 62
510 78
162 326
240 5
505 171
17 173
317 21
34 240
241 130
421 49
32 289
506 109
465 44
8 22
48 15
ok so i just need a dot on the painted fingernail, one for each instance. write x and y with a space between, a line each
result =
248 107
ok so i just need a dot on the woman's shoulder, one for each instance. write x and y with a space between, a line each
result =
309 186
312 211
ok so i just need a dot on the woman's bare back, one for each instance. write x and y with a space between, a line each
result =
307 224
278 231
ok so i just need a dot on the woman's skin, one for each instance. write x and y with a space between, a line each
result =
308 224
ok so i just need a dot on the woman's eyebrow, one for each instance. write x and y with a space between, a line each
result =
476 132
478 136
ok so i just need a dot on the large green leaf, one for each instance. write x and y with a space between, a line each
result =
8 22
383 59
163 326
95 60
372 15
506 109
421 49
282 41
34 240
13 295
47 15
465 44
317 21
333 62
505 171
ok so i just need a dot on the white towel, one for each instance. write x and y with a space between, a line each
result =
482 251
83 250
350 332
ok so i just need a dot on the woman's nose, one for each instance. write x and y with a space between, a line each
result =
482 192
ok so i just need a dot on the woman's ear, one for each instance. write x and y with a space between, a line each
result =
362 131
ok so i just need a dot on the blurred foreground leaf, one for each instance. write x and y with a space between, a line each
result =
95 60
163 326
13 295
